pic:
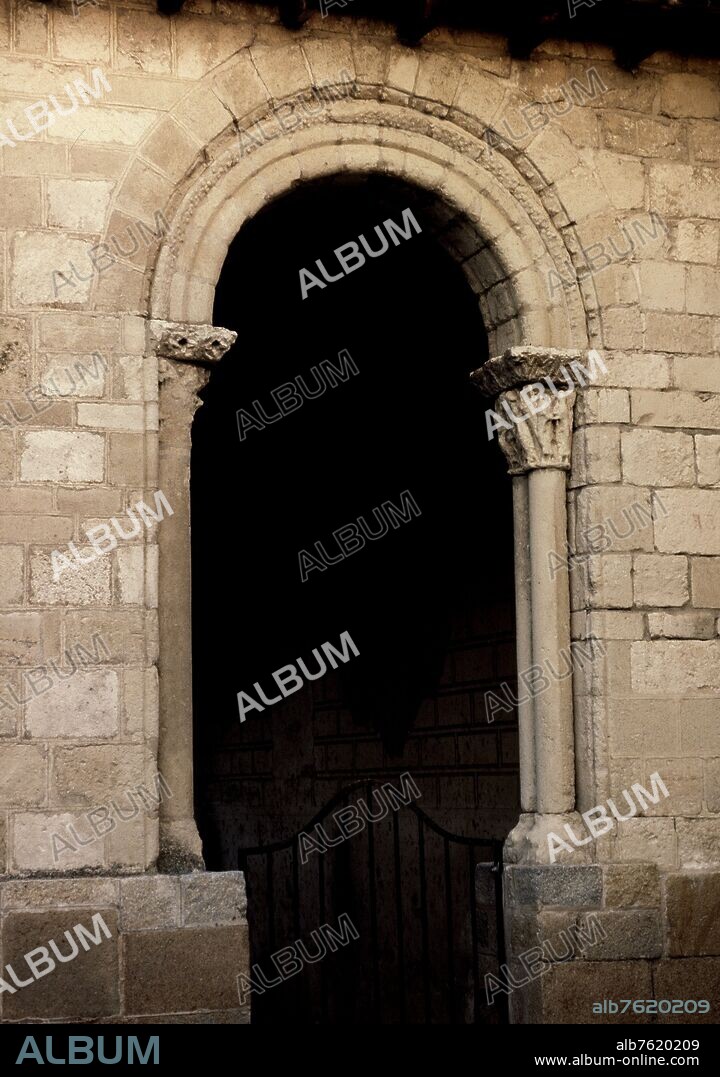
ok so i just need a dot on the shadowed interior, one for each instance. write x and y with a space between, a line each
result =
429 605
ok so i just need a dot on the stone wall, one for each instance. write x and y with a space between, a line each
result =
656 938
175 946
553 182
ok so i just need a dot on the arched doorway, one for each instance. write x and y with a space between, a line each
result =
382 414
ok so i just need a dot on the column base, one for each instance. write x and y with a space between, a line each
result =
527 842
180 847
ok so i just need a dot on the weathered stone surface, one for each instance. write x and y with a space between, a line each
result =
712 784
682 778
527 844
608 624
695 374
190 343
79 585
707 448
689 95
149 902
692 910
21 639
658 458
541 439
36 849
90 40
125 459
111 416
521 366
607 934
602 581
662 285
11 575
681 625
638 728
645 840
570 990
136 575
555 885
79 205
698 844
133 844
603 406
660 580
595 455
84 705
34 894
674 408
108 125
84 988
24 771
697 241
699 727
42 274
626 885
71 331
695 666
130 378
140 691
91 775
51 529
211 898
192 969
694 978
61 456
10 682
692 522
127 634
95 501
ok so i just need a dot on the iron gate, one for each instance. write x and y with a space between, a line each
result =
425 905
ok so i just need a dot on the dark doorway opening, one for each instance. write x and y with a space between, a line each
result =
428 604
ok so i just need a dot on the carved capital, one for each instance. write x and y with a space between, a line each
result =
535 390
201 345
186 355
536 438
520 366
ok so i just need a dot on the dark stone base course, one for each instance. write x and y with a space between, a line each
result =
176 973
177 946
189 970
690 977
693 912
87 986
570 990
179 943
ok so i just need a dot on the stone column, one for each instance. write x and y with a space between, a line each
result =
186 355
523 637
535 393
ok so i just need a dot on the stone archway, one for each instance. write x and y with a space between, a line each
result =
429 606
507 243
500 217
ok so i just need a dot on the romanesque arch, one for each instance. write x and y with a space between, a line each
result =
506 214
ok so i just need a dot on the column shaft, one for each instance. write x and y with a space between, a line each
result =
523 639
554 750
